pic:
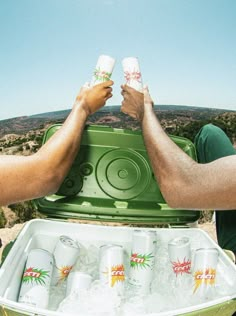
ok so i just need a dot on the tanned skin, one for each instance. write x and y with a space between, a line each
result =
183 182
29 177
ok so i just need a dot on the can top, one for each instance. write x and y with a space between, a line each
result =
207 250
179 242
38 250
67 241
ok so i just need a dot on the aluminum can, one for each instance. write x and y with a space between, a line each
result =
78 281
142 261
204 272
180 255
132 73
111 267
103 69
65 254
36 279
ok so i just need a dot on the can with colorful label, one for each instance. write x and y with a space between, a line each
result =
204 272
111 267
36 279
180 255
142 261
65 254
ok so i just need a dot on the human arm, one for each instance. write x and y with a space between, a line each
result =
24 178
183 182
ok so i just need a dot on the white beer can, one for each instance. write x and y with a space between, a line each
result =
132 73
180 255
36 279
111 267
65 254
204 272
142 261
78 281
103 70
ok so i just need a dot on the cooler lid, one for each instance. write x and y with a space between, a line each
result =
111 180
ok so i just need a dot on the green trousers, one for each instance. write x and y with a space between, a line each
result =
212 143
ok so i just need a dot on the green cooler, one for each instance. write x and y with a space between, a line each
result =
111 185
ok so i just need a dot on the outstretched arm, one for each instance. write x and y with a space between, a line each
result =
183 182
24 178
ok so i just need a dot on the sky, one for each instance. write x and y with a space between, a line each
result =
49 48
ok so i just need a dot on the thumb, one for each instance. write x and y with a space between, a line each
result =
147 97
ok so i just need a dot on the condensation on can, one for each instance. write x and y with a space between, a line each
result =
142 261
111 266
36 278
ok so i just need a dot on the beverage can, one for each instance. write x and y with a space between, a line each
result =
65 254
103 69
78 281
204 272
142 261
36 279
180 255
132 73
111 267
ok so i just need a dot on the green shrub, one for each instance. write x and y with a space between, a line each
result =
2 219
25 211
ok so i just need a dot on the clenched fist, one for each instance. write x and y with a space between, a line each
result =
93 98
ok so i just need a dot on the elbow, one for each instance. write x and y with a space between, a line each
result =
49 178
174 194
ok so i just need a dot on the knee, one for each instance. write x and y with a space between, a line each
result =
211 131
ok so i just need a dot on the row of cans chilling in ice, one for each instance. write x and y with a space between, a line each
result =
44 269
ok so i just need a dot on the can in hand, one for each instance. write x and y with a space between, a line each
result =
36 279
111 267
142 261
103 69
65 254
132 73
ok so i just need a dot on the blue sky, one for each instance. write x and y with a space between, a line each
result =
49 48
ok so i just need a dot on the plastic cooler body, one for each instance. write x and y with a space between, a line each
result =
44 234
111 180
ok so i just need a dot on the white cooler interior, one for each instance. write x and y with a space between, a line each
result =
44 234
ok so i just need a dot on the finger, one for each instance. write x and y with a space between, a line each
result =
108 90
107 83
123 92
109 96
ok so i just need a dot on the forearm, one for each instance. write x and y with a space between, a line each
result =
24 178
183 182
172 167
60 150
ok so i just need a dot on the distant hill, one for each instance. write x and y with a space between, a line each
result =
110 115
116 108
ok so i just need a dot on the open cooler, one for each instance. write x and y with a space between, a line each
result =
111 180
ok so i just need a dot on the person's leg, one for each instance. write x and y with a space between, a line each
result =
212 143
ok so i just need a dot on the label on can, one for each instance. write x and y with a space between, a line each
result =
142 261
111 267
36 279
66 253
